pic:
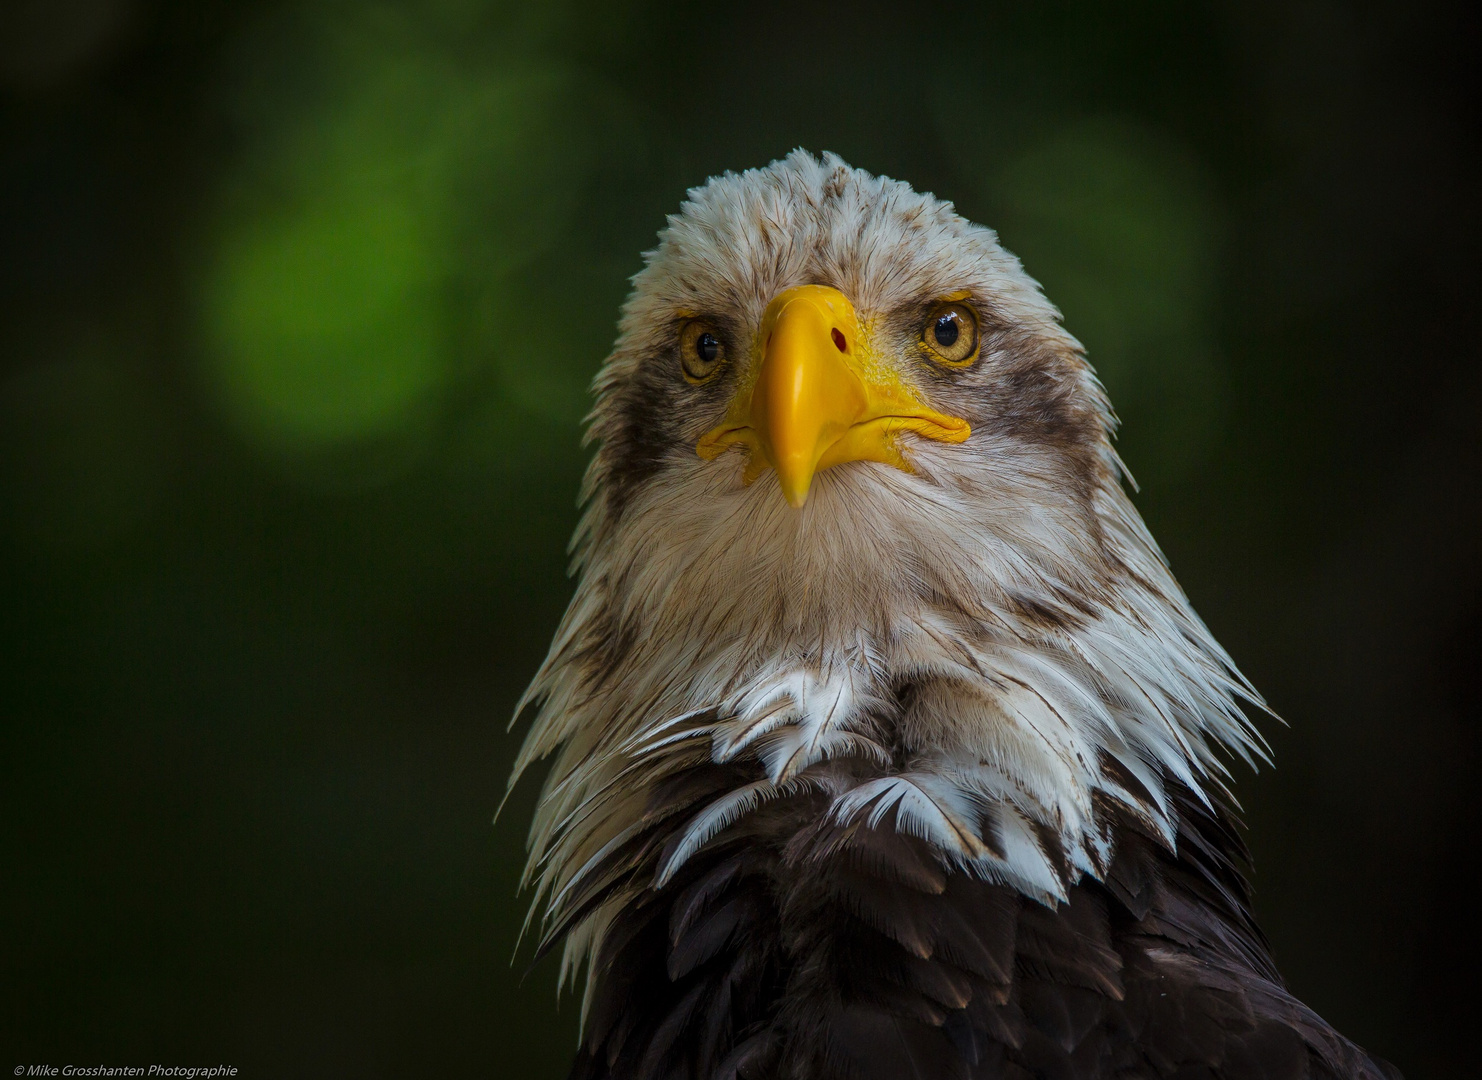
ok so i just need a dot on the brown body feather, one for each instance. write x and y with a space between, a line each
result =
796 947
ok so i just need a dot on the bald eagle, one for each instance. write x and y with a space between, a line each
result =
885 743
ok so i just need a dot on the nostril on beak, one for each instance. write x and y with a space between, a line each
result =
839 342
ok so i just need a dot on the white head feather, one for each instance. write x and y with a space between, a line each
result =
993 643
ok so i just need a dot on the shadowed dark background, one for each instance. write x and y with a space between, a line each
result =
298 304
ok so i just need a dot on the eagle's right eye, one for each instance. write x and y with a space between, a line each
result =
701 352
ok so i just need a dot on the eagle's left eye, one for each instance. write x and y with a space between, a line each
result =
951 334
701 352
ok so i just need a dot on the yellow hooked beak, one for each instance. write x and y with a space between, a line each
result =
820 398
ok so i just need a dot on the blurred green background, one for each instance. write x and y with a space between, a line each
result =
300 302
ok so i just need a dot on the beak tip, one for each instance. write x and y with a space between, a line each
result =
795 474
795 489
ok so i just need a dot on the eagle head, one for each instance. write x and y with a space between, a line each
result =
856 540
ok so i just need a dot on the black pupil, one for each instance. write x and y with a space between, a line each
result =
946 331
707 348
